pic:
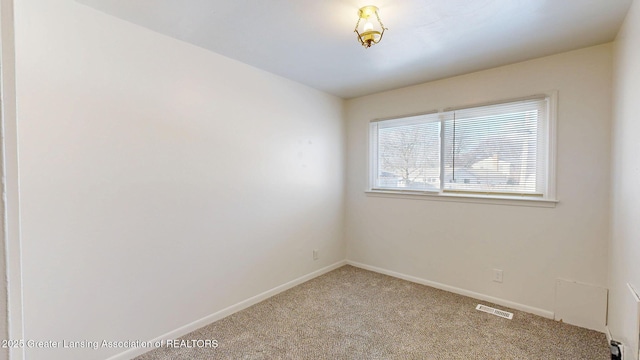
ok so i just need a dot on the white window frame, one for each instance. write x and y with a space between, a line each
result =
547 200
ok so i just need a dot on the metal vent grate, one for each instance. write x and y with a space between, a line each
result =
496 312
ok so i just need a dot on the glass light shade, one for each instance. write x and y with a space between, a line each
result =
369 27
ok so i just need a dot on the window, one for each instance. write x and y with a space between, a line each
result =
497 150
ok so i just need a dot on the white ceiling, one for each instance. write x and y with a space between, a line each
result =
312 42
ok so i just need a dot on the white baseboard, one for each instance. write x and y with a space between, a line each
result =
181 331
529 309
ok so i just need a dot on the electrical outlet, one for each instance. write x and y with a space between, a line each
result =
497 275
316 255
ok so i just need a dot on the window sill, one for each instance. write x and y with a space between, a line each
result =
477 199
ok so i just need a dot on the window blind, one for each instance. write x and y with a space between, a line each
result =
408 153
496 149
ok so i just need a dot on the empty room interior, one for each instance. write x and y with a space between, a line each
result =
330 179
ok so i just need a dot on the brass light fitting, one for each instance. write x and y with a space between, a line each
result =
369 34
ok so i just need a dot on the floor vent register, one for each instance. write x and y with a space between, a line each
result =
496 312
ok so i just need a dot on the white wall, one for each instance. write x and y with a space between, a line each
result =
8 224
159 182
4 329
458 244
624 254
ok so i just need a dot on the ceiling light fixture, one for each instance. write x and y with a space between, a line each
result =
369 34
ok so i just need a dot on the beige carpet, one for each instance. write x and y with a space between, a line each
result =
352 313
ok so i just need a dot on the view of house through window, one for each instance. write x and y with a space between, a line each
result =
495 149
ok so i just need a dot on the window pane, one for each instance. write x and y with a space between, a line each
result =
409 156
494 149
